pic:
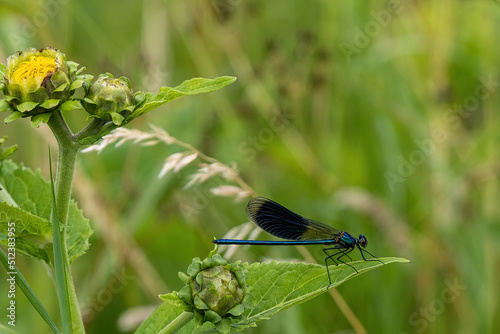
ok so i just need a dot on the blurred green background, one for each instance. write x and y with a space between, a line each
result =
379 118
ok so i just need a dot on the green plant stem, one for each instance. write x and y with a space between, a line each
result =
68 150
177 323
93 128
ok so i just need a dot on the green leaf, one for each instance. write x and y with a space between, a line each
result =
61 88
6 152
4 106
294 283
86 99
27 201
78 232
76 84
27 106
70 105
79 71
33 234
117 118
85 80
163 314
189 87
224 326
49 104
2 70
150 101
40 118
289 284
13 116
9 98
28 190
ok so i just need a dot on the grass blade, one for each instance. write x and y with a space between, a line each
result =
28 292
60 265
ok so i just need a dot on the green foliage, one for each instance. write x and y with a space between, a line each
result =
26 200
149 101
189 87
33 234
31 88
295 283
307 125
275 287
163 315
6 152
215 291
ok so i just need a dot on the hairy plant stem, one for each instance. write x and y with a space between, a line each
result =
68 150
177 323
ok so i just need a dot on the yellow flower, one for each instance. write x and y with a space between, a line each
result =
30 74
37 82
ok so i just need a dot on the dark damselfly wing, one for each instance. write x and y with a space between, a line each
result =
283 223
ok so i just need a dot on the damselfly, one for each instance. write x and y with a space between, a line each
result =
283 223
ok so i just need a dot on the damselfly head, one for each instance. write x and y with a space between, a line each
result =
362 241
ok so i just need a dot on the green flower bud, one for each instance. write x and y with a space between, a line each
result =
110 99
37 82
216 291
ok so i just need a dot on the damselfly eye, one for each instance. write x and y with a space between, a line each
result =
362 241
